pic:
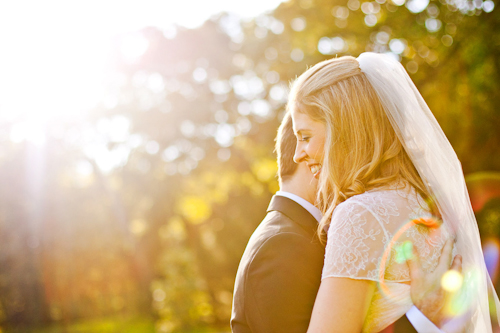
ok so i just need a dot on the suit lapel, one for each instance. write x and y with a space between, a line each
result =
295 212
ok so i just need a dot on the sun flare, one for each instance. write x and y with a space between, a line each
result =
54 60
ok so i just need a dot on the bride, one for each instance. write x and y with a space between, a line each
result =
385 168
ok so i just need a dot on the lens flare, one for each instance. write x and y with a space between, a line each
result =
404 251
491 251
452 281
460 300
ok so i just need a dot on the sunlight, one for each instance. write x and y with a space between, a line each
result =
48 71
452 281
133 46
28 131
54 55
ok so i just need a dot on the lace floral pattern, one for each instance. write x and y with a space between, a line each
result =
364 238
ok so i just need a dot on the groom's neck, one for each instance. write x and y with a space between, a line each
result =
298 188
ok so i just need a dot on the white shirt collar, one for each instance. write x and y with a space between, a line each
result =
304 203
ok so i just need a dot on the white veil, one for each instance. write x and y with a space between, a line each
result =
441 171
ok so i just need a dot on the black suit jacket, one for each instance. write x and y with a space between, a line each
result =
280 273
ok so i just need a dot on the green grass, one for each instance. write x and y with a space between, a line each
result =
107 325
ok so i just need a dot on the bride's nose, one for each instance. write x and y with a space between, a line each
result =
299 155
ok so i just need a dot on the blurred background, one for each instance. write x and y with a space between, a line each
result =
136 142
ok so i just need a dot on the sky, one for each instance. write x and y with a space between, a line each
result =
111 16
53 52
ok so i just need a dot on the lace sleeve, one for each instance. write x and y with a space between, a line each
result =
356 243
367 234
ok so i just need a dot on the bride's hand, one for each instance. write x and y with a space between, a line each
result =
427 293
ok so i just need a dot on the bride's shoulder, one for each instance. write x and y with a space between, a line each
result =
382 203
367 205
387 197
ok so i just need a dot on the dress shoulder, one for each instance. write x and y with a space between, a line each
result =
368 231
355 243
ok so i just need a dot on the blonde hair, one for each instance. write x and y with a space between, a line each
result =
362 151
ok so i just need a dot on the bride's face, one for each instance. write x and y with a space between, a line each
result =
310 142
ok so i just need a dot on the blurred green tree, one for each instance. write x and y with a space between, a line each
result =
145 206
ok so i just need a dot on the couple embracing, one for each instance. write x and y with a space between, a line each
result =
364 168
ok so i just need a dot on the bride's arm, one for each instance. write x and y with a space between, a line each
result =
341 305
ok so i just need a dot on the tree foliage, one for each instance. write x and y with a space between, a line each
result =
145 205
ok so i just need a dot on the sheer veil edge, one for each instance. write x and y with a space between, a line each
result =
439 167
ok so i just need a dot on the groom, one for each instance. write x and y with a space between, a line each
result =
280 272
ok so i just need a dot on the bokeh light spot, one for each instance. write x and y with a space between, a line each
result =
488 6
404 252
447 40
342 12
370 20
297 55
382 37
331 45
432 24
412 67
138 227
223 154
452 281
397 45
417 6
353 4
298 23
195 209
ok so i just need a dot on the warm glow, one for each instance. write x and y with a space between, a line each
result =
54 53
452 281
52 64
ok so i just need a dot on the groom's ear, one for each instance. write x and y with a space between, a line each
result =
285 148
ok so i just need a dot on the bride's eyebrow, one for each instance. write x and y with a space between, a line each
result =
302 130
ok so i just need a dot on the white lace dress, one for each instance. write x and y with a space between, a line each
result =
365 241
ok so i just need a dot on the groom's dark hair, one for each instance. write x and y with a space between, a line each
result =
285 148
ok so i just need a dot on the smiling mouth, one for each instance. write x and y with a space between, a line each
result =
315 169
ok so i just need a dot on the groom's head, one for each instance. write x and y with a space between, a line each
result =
285 149
293 177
